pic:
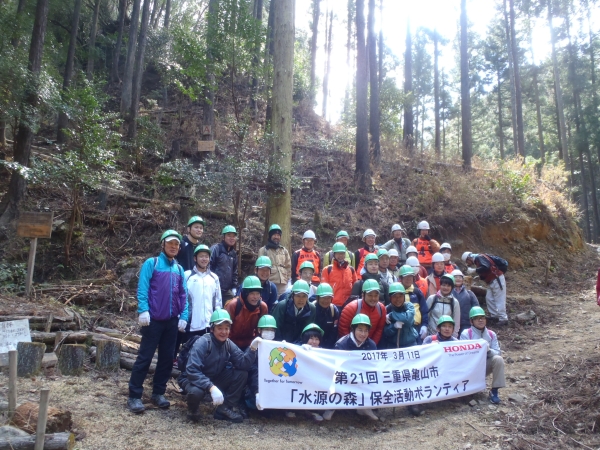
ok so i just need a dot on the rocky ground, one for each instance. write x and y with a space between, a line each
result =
551 398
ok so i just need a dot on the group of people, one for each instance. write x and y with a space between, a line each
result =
394 295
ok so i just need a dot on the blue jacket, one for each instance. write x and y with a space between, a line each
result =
417 297
161 289
408 334
347 343
223 262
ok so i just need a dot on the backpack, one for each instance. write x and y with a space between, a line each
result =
436 301
184 353
497 264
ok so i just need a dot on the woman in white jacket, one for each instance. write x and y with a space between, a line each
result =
443 303
204 293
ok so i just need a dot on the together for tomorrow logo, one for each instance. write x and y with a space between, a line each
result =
283 362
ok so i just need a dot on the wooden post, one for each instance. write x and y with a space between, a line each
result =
30 358
12 382
30 264
108 355
70 359
42 418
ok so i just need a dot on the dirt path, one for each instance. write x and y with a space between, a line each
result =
567 329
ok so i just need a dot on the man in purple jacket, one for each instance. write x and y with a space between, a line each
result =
163 309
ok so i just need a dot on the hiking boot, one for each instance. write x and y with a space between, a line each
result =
367 412
494 398
491 319
160 401
135 405
194 416
327 415
502 323
316 417
225 413
243 410
414 410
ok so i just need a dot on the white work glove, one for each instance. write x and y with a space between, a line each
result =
387 319
423 332
471 270
144 319
306 347
260 408
181 325
217 396
255 342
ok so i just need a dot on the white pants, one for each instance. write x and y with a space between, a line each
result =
496 298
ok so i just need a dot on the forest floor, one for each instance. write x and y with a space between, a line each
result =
552 368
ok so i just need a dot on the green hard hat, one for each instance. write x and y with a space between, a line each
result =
276 228
448 277
371 257
202 248
195 219
313 326
338 247
263 261
342 233
267 321
445 319
229 229
220 316
307 265
252 283
476 311
406 270
170 233
300 287
324 290
382 252
397 287
361 319
370 285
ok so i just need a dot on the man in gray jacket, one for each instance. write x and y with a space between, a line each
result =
399 243
216 365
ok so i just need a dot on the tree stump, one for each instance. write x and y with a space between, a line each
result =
70 359
26 418
108 355
30 355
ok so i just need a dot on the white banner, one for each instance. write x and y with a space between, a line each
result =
293 378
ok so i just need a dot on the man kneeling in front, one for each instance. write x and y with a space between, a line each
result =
218 366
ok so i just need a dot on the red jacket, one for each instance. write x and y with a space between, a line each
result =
244 323
421 283
341 280
360 258
376 313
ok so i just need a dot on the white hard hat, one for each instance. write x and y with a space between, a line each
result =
465 255
411 249
309 234
413 261
437 257
369 232
457 273
445 245
423 225
397 227
393 252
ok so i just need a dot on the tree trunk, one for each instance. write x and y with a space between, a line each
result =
130 59
380 49
513 101
280 161
167 14
63 120
154 12
436 94
538 111
374 116
24 137
562 130
92 42
348 48
258 10
517 76
71 358
500 119
29 359
328 64
119 44
408 130
138 72
16 40
362 125
209 91
465 100
313 47
269 49
2 133
108 355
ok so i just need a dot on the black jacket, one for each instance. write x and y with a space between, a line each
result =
384 296
346 343
327 319
185 257
290 325
223 262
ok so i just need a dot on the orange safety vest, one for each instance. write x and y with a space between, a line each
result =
421 283
424 251
450 267
362 252
312 256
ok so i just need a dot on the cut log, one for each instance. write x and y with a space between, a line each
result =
26 418
37 319
49 360
70 359
116 333
128 362
30 355
108 355
56 326
56 441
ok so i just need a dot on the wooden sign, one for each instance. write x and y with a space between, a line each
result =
206 130
35 224
206 146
